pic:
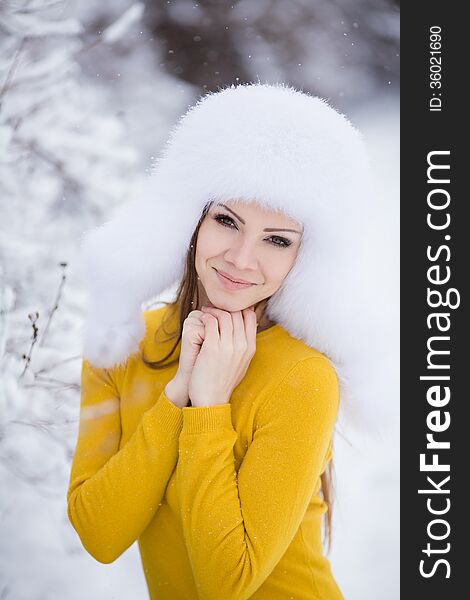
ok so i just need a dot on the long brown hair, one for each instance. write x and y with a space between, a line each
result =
187 299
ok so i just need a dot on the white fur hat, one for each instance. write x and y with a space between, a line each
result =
289 151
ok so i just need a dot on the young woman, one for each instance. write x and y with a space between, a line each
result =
206 426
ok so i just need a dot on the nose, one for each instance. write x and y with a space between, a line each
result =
242 255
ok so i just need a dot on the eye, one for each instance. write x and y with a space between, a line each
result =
275 240
225 220
284 242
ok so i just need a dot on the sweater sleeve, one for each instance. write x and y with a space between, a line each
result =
113 494
238 526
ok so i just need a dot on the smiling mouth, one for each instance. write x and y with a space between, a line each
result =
233 283
227 276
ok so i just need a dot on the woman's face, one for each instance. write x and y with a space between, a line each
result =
244 242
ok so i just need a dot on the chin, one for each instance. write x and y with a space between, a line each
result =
225 302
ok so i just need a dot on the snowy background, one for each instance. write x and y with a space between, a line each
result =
88 93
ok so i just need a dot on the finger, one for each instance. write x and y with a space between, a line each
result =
199 332
195 315
193 320
250 321
211 329
239 334
224 319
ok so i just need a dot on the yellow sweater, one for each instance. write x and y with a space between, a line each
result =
223 500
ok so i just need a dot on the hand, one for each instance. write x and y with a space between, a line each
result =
225 355
191 342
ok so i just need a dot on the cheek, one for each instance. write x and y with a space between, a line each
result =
203 246
210 242
277 269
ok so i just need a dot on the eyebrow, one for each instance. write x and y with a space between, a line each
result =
266 228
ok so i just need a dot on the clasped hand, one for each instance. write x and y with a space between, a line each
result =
225 355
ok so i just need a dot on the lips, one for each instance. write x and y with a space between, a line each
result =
232 279
230 284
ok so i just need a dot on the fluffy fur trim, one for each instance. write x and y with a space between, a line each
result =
289 151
